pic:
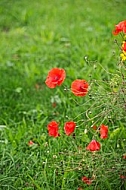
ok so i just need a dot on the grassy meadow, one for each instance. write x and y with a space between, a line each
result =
36 36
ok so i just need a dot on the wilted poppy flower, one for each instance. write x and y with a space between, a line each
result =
124 46
55 77
120 27
93 146
79 87
69 127
53 129
87 180
103 132
94 127
54 104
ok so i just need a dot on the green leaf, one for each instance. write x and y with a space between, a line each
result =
118 133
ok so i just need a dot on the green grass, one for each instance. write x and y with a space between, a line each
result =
75 35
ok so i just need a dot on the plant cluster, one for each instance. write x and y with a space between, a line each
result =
80 88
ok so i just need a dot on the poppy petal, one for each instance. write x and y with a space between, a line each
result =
103 131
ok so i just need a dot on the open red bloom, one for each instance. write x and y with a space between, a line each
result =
87 180
103 131
93 146
120 27
69 127
79 87
55 77
53 129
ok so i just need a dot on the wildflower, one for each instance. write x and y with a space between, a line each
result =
120 27
103 131
87 180
30 143
93 146
55 77
53 129
79 87
69 127
123 55
124 46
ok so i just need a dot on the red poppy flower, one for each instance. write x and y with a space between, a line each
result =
93 146
79 87
55 77
122 177
124 46
30 143
69 127
124 156
120 27
79 188
103 132
87 180
53 129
